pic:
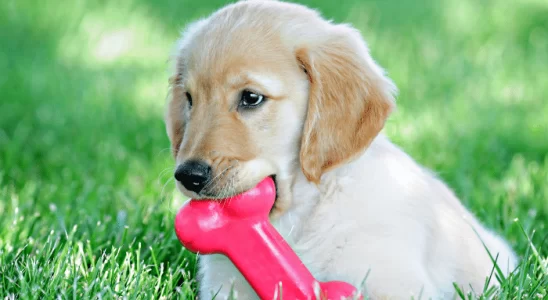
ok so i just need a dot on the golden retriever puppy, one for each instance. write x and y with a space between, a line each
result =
268 88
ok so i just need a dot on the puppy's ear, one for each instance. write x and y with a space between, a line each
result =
350 100
174 119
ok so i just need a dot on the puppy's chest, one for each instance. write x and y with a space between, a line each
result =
312 247
311 228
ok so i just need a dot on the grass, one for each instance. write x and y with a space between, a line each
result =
86 197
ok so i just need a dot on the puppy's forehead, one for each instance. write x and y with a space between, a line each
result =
220 50
232 53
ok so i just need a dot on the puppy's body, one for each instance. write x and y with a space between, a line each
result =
350 203
384 215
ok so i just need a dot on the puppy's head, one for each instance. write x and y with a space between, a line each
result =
267 88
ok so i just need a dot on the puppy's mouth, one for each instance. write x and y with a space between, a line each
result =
276 187
224 197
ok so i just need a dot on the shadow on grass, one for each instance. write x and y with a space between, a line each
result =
75 149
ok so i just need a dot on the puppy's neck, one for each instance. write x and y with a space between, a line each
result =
350 172
304 197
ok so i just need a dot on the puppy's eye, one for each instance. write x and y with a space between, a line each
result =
251 99
189 99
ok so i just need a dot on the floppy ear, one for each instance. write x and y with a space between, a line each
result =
349 100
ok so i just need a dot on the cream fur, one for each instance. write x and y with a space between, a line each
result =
375 212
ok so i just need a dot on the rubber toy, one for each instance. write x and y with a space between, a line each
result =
238 227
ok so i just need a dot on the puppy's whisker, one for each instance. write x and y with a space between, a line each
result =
227 188
222 192
163 172
228 185
162 196
234 182
231 185
162 151
217 177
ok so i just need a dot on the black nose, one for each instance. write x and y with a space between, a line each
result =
193 175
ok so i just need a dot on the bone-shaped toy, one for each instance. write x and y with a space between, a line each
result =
238 227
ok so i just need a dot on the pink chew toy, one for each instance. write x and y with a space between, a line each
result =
238 227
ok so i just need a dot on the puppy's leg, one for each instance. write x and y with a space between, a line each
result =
219 279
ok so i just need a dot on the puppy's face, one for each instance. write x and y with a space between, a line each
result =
265 88
242 112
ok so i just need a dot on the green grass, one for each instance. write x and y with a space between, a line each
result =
86 197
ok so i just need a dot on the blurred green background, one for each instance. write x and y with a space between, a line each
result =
86 196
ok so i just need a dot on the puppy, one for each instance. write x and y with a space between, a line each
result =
268 88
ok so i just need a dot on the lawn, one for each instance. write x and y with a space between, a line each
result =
87 199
